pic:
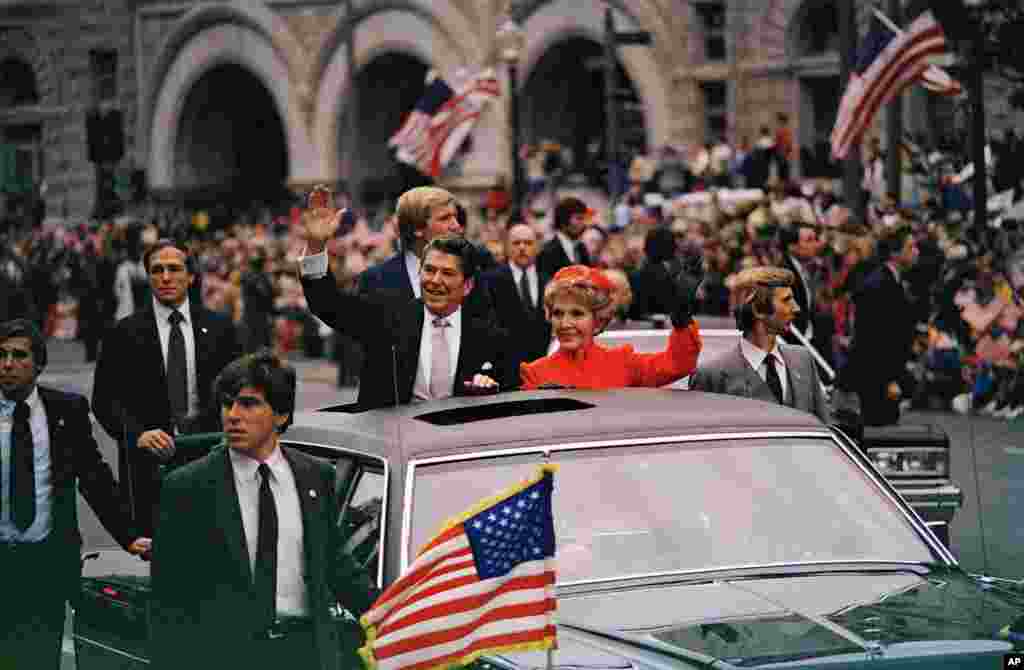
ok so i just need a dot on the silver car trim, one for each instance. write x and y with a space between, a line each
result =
889 488
384 503
741 566
913 518
119 652
546 451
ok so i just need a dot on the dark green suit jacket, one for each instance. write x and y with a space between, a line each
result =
204 607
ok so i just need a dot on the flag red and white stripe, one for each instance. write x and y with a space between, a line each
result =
903 61
430 137
938 81
444 611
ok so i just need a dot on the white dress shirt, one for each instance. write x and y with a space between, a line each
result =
421 387
291 564
163 328
41 464
531 279
569 246
757 357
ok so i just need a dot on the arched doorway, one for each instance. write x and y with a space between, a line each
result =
230 140
564 101
382 109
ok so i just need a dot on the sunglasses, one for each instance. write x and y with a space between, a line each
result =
14 354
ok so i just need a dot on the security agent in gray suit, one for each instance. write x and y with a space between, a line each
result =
762 366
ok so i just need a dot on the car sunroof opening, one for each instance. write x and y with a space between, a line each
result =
502 410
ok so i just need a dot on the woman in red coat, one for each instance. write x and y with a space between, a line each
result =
578 303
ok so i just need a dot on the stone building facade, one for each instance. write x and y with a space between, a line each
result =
259 91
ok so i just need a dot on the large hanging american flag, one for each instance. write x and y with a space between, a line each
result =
484 584
886 64
439 123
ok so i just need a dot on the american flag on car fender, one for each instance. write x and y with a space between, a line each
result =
484 584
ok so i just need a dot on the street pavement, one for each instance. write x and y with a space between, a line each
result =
987 461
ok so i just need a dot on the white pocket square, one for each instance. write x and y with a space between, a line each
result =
312 493
487 366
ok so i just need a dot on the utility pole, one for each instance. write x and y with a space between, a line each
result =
612 40
847 53
894 127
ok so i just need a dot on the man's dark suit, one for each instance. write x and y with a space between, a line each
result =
552 256
391 332
883 336
130 392
528 329
55 567
205 611
802 295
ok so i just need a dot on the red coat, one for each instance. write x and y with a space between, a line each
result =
596 367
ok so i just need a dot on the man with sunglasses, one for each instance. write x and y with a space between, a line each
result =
46 449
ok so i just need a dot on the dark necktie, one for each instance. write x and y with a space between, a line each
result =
23 472
524 291
772 378
582 257
265 572
177 370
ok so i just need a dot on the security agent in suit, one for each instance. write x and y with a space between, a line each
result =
152 383
517 293
401 341
261 523
46 449
762 366
883 332
566 247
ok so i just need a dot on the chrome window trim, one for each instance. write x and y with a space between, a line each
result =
85 640
384 503
740 566
547 450
889 488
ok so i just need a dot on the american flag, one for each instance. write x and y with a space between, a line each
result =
886 64
441 120
484 584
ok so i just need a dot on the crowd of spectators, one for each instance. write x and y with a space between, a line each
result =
969 337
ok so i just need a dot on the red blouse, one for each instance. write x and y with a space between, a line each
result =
597 367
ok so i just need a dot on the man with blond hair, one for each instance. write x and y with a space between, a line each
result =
762 366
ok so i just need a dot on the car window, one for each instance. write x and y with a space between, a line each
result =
698 505
362 516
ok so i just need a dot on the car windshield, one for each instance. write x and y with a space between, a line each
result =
633 510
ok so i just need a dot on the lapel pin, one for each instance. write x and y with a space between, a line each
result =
312 493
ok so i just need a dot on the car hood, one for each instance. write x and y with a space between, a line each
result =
850 619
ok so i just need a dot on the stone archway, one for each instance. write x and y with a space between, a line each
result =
564 101
413 33
559 20
230 139
211 47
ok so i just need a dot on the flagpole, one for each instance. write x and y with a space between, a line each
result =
886 21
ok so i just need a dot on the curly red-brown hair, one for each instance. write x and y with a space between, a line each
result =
590 287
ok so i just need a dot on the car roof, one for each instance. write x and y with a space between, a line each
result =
533 418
